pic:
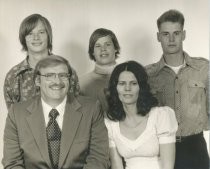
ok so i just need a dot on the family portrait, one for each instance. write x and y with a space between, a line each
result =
89 84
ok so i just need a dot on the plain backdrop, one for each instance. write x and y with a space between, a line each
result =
73 21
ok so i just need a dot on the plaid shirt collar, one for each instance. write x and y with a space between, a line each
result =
187 58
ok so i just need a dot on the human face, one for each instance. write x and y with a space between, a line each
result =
171 37
128 88
53 92
37 39
104 51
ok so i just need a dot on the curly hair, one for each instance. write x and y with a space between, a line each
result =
145 99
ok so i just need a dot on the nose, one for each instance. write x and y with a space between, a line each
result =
127 87
103 47
36 36
171 38
57 79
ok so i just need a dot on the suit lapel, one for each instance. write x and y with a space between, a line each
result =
71 122
37 125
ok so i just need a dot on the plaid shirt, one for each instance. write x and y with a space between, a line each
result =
185 92
19 85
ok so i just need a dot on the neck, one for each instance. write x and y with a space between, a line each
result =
104 69
174 59
130 110
34 58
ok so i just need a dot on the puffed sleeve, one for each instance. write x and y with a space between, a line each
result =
166 125
110 132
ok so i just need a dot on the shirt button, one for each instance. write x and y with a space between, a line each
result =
177 91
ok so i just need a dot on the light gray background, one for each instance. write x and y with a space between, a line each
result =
73 21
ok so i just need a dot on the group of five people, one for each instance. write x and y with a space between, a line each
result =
118 115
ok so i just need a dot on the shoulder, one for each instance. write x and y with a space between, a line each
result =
198 62
88 104
13 72
162 111
111 125
20 109
85 99
152 68
86 78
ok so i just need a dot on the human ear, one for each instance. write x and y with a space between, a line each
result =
183 35
38 81
158 36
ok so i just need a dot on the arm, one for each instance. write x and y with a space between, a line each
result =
98 157
12 155
116 159
7 93
167 155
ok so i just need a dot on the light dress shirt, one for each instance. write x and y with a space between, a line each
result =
60 108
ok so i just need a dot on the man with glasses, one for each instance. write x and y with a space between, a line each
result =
56 129
181 82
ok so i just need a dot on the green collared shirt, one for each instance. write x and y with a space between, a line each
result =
185 92
19 85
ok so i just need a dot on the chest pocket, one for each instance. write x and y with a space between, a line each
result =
196 90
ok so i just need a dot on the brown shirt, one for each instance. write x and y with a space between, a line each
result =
185 92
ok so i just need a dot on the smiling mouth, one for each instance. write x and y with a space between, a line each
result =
37 44
57 87
104 55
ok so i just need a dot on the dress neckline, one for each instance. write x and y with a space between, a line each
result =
139 137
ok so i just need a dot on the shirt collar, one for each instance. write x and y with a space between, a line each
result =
60 108
187 59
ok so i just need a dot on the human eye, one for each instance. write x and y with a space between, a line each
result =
42 32
164 33
121 83
50 75
30 34
97 46
177 33
63 75
134 83
108 44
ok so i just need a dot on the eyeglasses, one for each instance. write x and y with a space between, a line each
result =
52 76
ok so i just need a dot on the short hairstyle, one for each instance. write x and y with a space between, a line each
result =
51 61
28 24
98 33
171 16
145 99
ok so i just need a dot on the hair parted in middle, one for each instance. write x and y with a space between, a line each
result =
28 24
145 99
99 33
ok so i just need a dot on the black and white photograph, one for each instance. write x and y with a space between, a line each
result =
104 84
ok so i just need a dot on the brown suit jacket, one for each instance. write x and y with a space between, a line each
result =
84 141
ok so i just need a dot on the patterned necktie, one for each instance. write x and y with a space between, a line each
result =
53 137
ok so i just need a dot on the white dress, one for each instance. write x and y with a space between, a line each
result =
143 152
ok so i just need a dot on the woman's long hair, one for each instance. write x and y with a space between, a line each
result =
145 99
